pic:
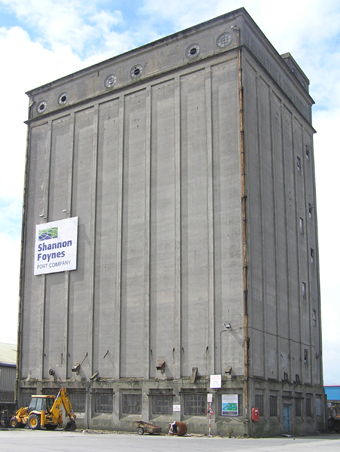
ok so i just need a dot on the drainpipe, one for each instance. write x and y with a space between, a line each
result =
244 228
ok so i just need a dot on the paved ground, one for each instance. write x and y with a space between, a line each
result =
29 440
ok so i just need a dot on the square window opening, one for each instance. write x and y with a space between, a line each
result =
161 401
103 402
195 404
131 403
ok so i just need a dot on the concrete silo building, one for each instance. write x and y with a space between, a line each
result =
170 250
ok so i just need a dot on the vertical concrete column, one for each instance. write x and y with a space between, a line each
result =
177 307
210 350
67 274
46 184
117 306
93 231
147 233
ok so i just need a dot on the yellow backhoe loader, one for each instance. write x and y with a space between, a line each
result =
45 411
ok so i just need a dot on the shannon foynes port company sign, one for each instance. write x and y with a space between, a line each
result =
56 246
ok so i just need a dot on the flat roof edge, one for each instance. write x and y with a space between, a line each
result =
159 41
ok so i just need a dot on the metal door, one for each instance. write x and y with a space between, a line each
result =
286 417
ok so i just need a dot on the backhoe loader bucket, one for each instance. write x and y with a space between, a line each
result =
71 426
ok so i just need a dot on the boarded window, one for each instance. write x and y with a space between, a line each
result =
259 403
298 407
161 401
25 395
78 399
308 406
195 404
103 402
318 406
273 405
131 403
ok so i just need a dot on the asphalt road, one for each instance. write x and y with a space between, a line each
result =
29 440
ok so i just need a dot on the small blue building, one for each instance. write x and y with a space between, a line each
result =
332 392
333 400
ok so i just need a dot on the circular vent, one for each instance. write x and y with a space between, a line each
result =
136 71
41 107
223 40
193 51
110 81
63 99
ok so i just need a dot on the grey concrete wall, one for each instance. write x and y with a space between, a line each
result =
154 177
278 195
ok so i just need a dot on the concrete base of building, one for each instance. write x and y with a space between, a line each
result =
283 408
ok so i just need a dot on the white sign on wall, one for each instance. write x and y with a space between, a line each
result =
215 381
55 247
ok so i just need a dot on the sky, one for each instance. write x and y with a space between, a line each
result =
43 40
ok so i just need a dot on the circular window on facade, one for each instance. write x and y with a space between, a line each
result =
136 71
110 81
223 40
192 51
41 107
62 99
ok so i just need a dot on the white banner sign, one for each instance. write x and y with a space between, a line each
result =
55 247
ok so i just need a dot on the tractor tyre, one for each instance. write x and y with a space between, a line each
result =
34 422
14 422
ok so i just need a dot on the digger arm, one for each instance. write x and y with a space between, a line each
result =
61 399
67 404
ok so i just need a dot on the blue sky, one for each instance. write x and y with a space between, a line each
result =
43 40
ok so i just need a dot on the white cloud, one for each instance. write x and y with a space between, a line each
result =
9 271
59 23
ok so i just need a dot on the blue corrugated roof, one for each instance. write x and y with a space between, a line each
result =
332 392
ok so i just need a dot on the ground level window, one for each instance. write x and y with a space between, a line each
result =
195 404
318 406
78 399
308 406
103 402
131 403
25 395
298 406
259 403
161 401
273 405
